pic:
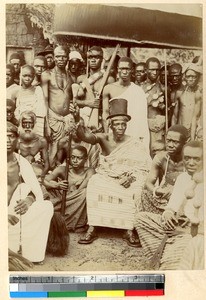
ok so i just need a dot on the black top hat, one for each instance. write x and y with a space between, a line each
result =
48 50
118 107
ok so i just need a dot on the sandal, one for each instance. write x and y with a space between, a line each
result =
129 237
89 237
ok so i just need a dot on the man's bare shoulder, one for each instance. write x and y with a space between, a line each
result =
110 86
89 171
110 80
102 135
46 75
80 78
160 157
42 140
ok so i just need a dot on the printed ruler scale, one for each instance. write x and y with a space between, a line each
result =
86 286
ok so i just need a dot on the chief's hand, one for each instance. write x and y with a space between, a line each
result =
125 181
22 206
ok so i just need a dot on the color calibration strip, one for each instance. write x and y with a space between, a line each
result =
86 286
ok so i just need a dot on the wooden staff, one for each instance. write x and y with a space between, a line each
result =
105 77
106 74
58 241
166 99
63 205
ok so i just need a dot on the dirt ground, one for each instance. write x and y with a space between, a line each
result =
108 253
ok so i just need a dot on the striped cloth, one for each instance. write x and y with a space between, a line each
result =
109 204
151 234
31 99
193 256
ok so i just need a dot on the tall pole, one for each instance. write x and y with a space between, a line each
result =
166 99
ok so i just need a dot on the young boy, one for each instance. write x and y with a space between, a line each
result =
30 98
75 185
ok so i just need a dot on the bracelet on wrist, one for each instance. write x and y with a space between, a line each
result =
154 192
31 198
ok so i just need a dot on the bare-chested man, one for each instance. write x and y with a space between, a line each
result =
189 101
119 169
57 91
93 151
137 103
155 100
29 215
40 65
174 85
30 144
88 92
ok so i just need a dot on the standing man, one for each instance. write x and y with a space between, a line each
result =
140 73
175 85
155 101
189 101
40 65
74 65
137 103
48 53
88 92
29 215
15 60
57 91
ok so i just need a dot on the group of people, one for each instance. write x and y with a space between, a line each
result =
129 135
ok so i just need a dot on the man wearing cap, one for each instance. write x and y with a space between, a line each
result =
89 86
29 215
48 53
166 166
137 103
75 61
15 60
189 101
56 86
120 176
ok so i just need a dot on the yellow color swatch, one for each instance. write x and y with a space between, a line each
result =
105 293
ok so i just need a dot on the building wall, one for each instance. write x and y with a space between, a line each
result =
19 31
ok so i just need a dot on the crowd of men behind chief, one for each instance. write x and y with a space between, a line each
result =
110 129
